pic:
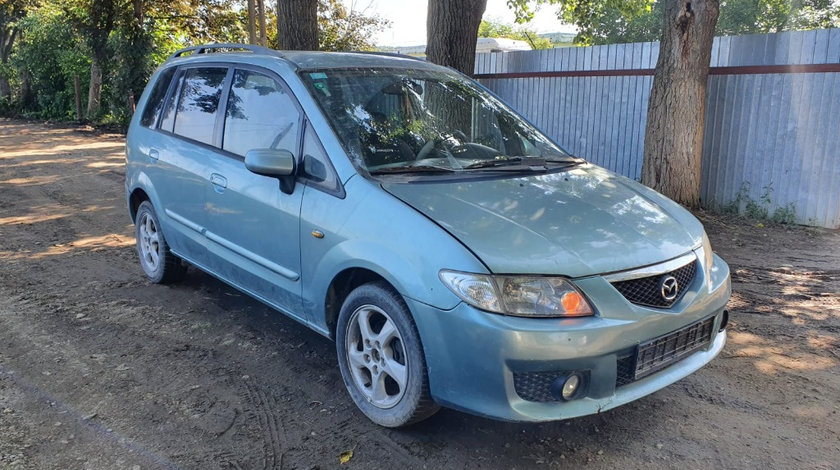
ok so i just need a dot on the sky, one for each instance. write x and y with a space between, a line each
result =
408 19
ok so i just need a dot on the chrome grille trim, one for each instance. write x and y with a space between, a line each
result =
652 270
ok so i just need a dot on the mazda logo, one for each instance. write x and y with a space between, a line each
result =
669 288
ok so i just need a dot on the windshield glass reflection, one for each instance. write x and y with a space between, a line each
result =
404 120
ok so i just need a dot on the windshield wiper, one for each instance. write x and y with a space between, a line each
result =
412 169
517 163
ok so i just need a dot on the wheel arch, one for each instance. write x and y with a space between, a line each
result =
137 197
342 284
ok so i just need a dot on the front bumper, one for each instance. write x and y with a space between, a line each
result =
472 355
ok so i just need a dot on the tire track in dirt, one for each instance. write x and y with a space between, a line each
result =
264 409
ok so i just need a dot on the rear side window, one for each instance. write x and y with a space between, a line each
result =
155 102
198 103
260 115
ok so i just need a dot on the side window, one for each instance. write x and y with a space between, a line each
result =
316 165
198 102
155 102
260 114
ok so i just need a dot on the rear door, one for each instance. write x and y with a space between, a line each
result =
179 157
252 224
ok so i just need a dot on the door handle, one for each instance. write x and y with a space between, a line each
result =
154 154
219 182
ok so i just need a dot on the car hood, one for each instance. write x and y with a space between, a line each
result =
575 223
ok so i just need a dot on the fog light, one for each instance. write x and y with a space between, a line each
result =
570 386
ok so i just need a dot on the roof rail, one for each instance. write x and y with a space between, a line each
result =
390 54
205 49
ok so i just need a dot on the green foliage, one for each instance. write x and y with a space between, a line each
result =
51 54
760 209
590 16
786 214
496 29
129 70
621 21
59 38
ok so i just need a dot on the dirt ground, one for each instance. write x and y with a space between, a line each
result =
100 369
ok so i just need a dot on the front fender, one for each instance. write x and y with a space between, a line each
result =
373 230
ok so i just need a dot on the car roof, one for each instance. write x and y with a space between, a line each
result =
245 53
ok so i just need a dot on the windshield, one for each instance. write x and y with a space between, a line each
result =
412 121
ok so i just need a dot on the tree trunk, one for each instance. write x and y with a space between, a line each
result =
95 88
261 16
297 25
139 14
674 133
252 22
452 31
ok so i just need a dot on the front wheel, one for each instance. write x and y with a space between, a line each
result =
158 262
381 358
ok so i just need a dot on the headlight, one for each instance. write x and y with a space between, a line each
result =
527 296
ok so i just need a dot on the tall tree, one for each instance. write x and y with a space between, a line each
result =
297 25
452 31
674 132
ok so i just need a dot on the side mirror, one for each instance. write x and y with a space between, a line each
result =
270 162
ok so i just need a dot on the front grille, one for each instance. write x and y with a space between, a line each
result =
648 291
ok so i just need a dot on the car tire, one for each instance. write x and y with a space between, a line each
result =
159 264
378 348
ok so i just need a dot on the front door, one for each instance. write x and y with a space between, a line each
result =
252 226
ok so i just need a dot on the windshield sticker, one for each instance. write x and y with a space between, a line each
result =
318 76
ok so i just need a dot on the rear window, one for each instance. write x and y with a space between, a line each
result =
155 102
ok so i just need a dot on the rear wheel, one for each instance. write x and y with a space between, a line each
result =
158 262
381 358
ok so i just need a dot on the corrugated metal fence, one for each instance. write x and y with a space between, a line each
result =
772 135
